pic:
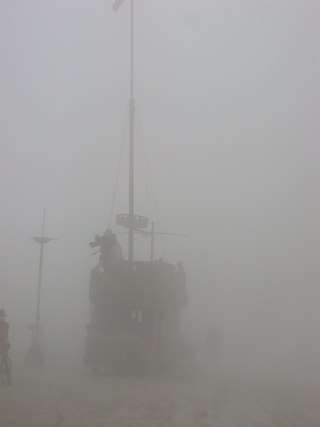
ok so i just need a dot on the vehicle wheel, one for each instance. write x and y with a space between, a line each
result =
4 377
96 370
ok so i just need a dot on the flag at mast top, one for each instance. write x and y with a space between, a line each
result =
117 4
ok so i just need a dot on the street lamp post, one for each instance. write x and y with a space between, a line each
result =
35 355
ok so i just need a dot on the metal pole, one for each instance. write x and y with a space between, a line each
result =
39 294
39 283
35 356
152 241
131 147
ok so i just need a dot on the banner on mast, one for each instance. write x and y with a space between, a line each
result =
117 4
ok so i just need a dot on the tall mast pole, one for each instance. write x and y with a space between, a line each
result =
39 282
131 147
35 355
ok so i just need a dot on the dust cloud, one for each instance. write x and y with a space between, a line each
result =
227 113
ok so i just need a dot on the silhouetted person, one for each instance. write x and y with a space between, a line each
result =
4 344
110 248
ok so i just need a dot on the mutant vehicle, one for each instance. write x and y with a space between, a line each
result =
135 317
135 305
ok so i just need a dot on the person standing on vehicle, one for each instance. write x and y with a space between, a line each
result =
111 252
4 344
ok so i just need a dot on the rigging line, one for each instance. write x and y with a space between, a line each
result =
118 167
152 192
144 175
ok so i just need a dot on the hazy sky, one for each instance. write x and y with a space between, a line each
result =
227 96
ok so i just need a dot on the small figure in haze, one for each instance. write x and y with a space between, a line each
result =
212 346
4 345
181 284
110 248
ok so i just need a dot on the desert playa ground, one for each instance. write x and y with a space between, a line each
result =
64 393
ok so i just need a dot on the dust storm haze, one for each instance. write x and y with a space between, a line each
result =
227 97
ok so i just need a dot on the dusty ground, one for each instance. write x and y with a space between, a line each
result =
65 394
